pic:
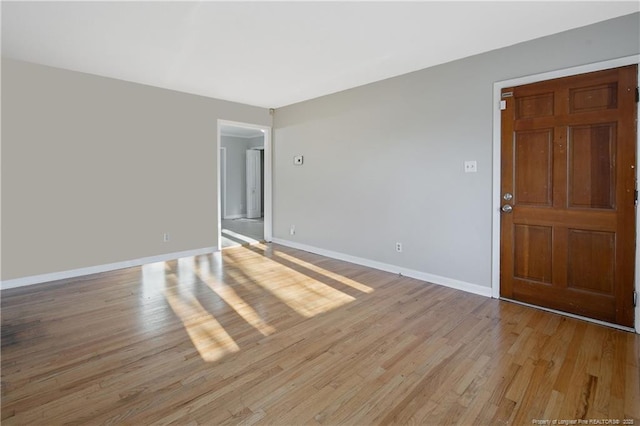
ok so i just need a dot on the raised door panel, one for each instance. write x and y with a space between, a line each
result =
539 105
593 98
533 252
591 259
592 166
533 167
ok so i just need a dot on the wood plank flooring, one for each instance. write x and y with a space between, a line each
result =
271 335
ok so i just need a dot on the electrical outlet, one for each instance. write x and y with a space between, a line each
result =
165 237
292 230
470 166
399 247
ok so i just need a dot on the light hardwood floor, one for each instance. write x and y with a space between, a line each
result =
268 334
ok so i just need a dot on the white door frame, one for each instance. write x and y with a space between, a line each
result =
497 90
223 182
268 209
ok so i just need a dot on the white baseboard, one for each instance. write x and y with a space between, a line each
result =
435 279
54 276
431 278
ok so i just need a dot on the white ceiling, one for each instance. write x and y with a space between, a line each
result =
272 54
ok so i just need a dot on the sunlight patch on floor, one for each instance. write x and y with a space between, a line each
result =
306 296
207 335
344 280
242 308
153 280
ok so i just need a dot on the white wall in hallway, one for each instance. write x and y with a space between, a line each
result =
237 173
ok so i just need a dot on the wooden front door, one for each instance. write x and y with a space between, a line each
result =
568 188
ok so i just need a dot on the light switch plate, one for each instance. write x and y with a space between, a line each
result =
470 166
297 160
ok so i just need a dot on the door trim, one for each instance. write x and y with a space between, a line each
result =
268 191
495 203
223 188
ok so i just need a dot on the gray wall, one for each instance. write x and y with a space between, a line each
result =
95 170
383 163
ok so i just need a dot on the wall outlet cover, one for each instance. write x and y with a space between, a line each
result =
298 160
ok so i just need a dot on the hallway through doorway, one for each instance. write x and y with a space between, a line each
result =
241 231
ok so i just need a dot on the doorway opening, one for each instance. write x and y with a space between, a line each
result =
244 179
